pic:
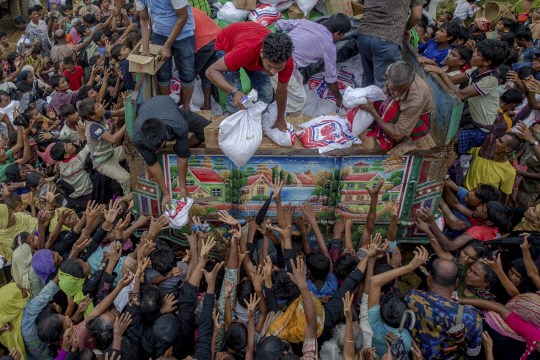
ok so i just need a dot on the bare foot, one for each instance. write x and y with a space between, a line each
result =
402 148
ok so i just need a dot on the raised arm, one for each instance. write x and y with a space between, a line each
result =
348 346
496 265
530 266
432 241
426 216
392 228
299 278
372 214
309 215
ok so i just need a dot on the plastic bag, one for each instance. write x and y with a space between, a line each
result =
282 6
282 138
178 212
265 14
359 119
241 133
306 5
327 133
230 14
318 83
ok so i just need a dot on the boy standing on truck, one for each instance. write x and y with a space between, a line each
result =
483 94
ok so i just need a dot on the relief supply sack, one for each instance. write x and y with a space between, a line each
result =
229 14
306 5
359 119
282 138
178 212
265 14
241 133
326 133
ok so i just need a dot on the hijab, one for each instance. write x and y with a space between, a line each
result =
526 285
73 286
22 76
43 264
23 223
527 225
22 256
11 311
479 25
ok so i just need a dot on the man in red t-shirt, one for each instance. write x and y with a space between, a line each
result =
262 54
74 73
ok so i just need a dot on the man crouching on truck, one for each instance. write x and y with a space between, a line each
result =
405 115
262 54
151 133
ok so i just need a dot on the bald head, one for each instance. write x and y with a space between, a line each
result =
444 273
60 34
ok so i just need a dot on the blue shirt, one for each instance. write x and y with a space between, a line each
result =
129 83
379 332
164 16
525 58
459 195
431 51
329 288
35 348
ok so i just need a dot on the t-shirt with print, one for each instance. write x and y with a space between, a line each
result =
490 172
380 329
10 159
242 41
66 134
435 316
431 51
100 149
484 107
75 78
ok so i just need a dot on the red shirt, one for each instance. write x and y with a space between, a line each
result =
242 42
75 78
206 29
481 232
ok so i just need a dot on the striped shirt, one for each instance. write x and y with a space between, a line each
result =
100 149
386 19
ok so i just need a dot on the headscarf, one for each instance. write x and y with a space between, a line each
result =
75 38
43 264
72 286
22 256
46 155
54 221
526 285
23 223
527 225
479 25
22 76
11 311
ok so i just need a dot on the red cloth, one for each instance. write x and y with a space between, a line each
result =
75 78
206 29
481 232
242 42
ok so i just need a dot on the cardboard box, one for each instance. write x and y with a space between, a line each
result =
245 4
357 8
144 64
294 12
338 6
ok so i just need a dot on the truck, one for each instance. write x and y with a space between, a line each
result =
334 184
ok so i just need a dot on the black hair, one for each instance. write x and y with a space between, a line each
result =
49 324
287 356
512 96
465 53
451 30
479 247
20 19
512 58
318 264
68 60
31 10
32 180
36 49
525 72
23 87
284 287
152 134
524 33
54 80
151 301
435 29
236 336
163 259
3 33
102 331
448 15
83 92
128 6
81 29
277 47
243 290
514 142
108 33
492 50
4 93
499 214
86 108
67 7
89 19
382 268
20 238
203 285
506 22
488 193
38 7
508 38
72 267
57 151
339 23
12 200
392 310
463 34
443 279
116 51
503 71
87 354
12 172
66 110
490 277
133 36
92 61
422 25
345 265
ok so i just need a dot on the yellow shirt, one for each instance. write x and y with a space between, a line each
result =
507 119
483 171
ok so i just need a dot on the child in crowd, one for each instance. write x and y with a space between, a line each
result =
458 58
437 49
75 74
73 127
445 17
503 26
510 100
525 41
119 52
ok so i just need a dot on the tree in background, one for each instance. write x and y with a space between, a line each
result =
290 179
220 165
194 161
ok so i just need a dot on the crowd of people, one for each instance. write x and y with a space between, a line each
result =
82 278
